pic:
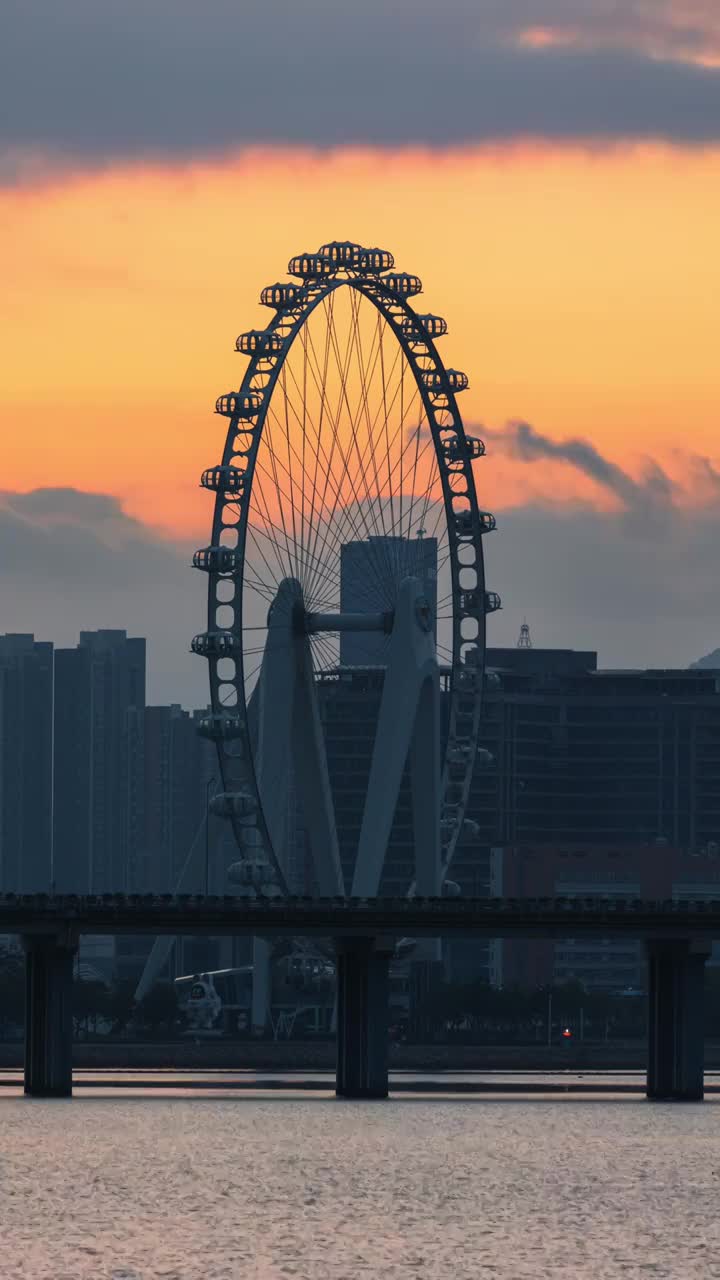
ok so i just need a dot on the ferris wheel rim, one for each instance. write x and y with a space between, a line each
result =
466 681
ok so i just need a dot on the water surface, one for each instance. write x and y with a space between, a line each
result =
214 1188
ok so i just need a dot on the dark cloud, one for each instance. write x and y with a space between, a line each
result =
672 28
71 560
641 591
640 584
66 504
64 536
86 82
523 442
707 473
641 595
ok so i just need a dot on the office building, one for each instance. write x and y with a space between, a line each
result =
603 783
96 685
368 570
26 700
171 773
607 757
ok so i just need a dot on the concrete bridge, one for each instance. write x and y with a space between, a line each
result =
677 934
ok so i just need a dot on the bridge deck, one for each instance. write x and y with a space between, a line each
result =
339 917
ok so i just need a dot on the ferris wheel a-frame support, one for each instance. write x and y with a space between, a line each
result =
291 749
290 746
408 729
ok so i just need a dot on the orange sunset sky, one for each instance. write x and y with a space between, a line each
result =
550 171
580 286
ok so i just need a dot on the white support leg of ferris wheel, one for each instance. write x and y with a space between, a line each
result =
408 727
275 697
312 779
291 749
291 746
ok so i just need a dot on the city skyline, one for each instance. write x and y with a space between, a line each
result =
108 742
573 253
78 562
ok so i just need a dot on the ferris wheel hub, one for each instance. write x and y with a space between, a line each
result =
316 623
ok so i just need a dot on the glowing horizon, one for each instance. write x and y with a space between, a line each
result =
579 286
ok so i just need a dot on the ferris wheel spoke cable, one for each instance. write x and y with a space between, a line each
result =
274 465
327 651
341 532
346 458
254 573
359 532
398 465
419 498
345 521
428 445
333 417
331 574
363 409
271 529
283 378
329 523
304 448
272 532
316 510
414 477
273 537
307 339
435 530
264 527
371 446
368 445
291 566
329 598
399 462
267 590
388 503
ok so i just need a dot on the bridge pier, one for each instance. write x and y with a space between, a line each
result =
362 1017
48 1015
676 1050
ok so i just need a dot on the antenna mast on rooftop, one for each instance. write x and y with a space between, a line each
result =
524 641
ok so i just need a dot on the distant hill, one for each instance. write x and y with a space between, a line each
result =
710 660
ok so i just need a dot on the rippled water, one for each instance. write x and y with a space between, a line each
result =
212 1189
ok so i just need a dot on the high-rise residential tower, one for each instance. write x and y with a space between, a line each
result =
171 780
96 685
26 699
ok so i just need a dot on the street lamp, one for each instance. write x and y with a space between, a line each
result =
211 782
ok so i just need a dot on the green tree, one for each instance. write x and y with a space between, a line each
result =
121 1005
90 1002
158 1009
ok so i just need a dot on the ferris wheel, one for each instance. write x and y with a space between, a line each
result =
346 534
